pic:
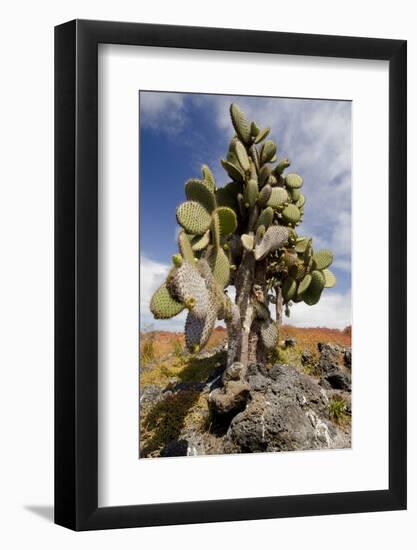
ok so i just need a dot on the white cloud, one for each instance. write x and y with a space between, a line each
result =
162 111
333 311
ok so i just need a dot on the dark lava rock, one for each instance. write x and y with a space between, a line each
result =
290 342
348 358
338 379
175 448
287 411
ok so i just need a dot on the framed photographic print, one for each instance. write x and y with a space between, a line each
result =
230 275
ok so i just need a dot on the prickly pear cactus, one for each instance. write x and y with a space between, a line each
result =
242 234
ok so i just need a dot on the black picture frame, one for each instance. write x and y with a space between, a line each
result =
76 272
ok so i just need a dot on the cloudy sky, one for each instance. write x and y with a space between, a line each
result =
179 132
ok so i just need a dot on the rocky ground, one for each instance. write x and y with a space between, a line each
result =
191 405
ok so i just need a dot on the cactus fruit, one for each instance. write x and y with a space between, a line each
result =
275 237
294 181
322 259
196 190
163 305
242 234
240 124
193 217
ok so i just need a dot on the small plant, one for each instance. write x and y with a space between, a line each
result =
147 354
178 349
337 409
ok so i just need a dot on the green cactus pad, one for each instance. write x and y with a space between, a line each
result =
163 306
281 166
240 123
329 278
242 155
262 134
312 295
298 271
291 214
227 220
220 266
278 196
187 286
198 330
248 241
294 181
322 259
264 174
200 242
301 201
264 195
268 151
234 171
196 190
184 245
269 334
254 129
304 284
295 195
250 193
227 195
253 151
193 217
275 237
289 288
208 177
302 244
265 217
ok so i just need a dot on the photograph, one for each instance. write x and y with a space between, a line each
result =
245 274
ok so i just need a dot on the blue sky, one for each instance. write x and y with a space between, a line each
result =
179 132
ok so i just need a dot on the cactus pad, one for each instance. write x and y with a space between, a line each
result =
196 190
227 220
186 285
289 288
301 201
248 241
268 151
226 196
275 237
185 247
198 330
242 155
313 293
208 177
250 193
294 181
234 171
193 217
322 259
278 196
265 217
200 242
254 129
281 166
302 244
264 195
163 305
269 334
295 195
240 123
220 266
329 278
291 214
304 284
262 134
